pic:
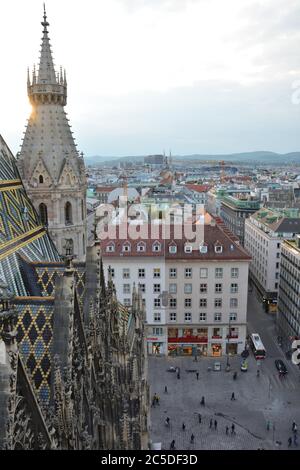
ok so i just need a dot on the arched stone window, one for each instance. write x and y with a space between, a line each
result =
82 209
41 179
68 214
43 213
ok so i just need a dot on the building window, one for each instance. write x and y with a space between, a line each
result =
41 179
202 316
141 273
156 272
203 273
141 246
203 288
173 288
218 288
188 317
234 288
218 248
111 272
233 303
219 273
68 214
173 316
203 303
126 273
187 288
142 288
188 272
69 247
157 303
126 302
188 249
173 249
156 246
218 303
235 272
157 331
218 316
126 288
157 316
156 288
110 248
232 317
126 247
43 214
188 303
173 272
173 303
203 249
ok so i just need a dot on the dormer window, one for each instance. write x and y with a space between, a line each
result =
41 179
173 249
141 247
218 248
110 248
203 249
126 247
188 249
156 246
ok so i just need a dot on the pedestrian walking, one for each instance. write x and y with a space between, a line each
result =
166 389
197 375
216 424
202 402
268 425
183 426
295 440
172 445
227 430
167 422
158 399
178 375
153 402
289 442
294 427
199 418
192 439
232 396
232 429
210 423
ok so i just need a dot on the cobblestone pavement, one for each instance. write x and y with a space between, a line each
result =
258 400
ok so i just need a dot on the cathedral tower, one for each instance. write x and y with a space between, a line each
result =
50 165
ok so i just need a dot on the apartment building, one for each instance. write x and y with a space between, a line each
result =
288 316
235 210
195 296
264 232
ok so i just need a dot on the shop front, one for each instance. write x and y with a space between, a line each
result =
231 349
156 347
216 349
187 341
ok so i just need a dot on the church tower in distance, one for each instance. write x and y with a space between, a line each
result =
50 165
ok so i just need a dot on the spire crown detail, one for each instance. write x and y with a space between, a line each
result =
47 85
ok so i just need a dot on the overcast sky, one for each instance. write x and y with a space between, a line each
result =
194 76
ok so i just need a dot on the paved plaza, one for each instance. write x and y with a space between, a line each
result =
259 400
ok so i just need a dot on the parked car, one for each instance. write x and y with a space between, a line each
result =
280 366
217 366
244 366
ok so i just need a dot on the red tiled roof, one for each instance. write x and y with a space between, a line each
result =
105 189
200 188
213 234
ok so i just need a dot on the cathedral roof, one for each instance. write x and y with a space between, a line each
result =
20 230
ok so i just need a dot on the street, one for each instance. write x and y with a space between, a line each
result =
262 413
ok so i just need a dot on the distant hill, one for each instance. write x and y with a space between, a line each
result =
263 157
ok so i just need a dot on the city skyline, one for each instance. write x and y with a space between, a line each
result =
223 89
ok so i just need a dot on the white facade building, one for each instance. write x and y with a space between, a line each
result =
264 232
195 296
